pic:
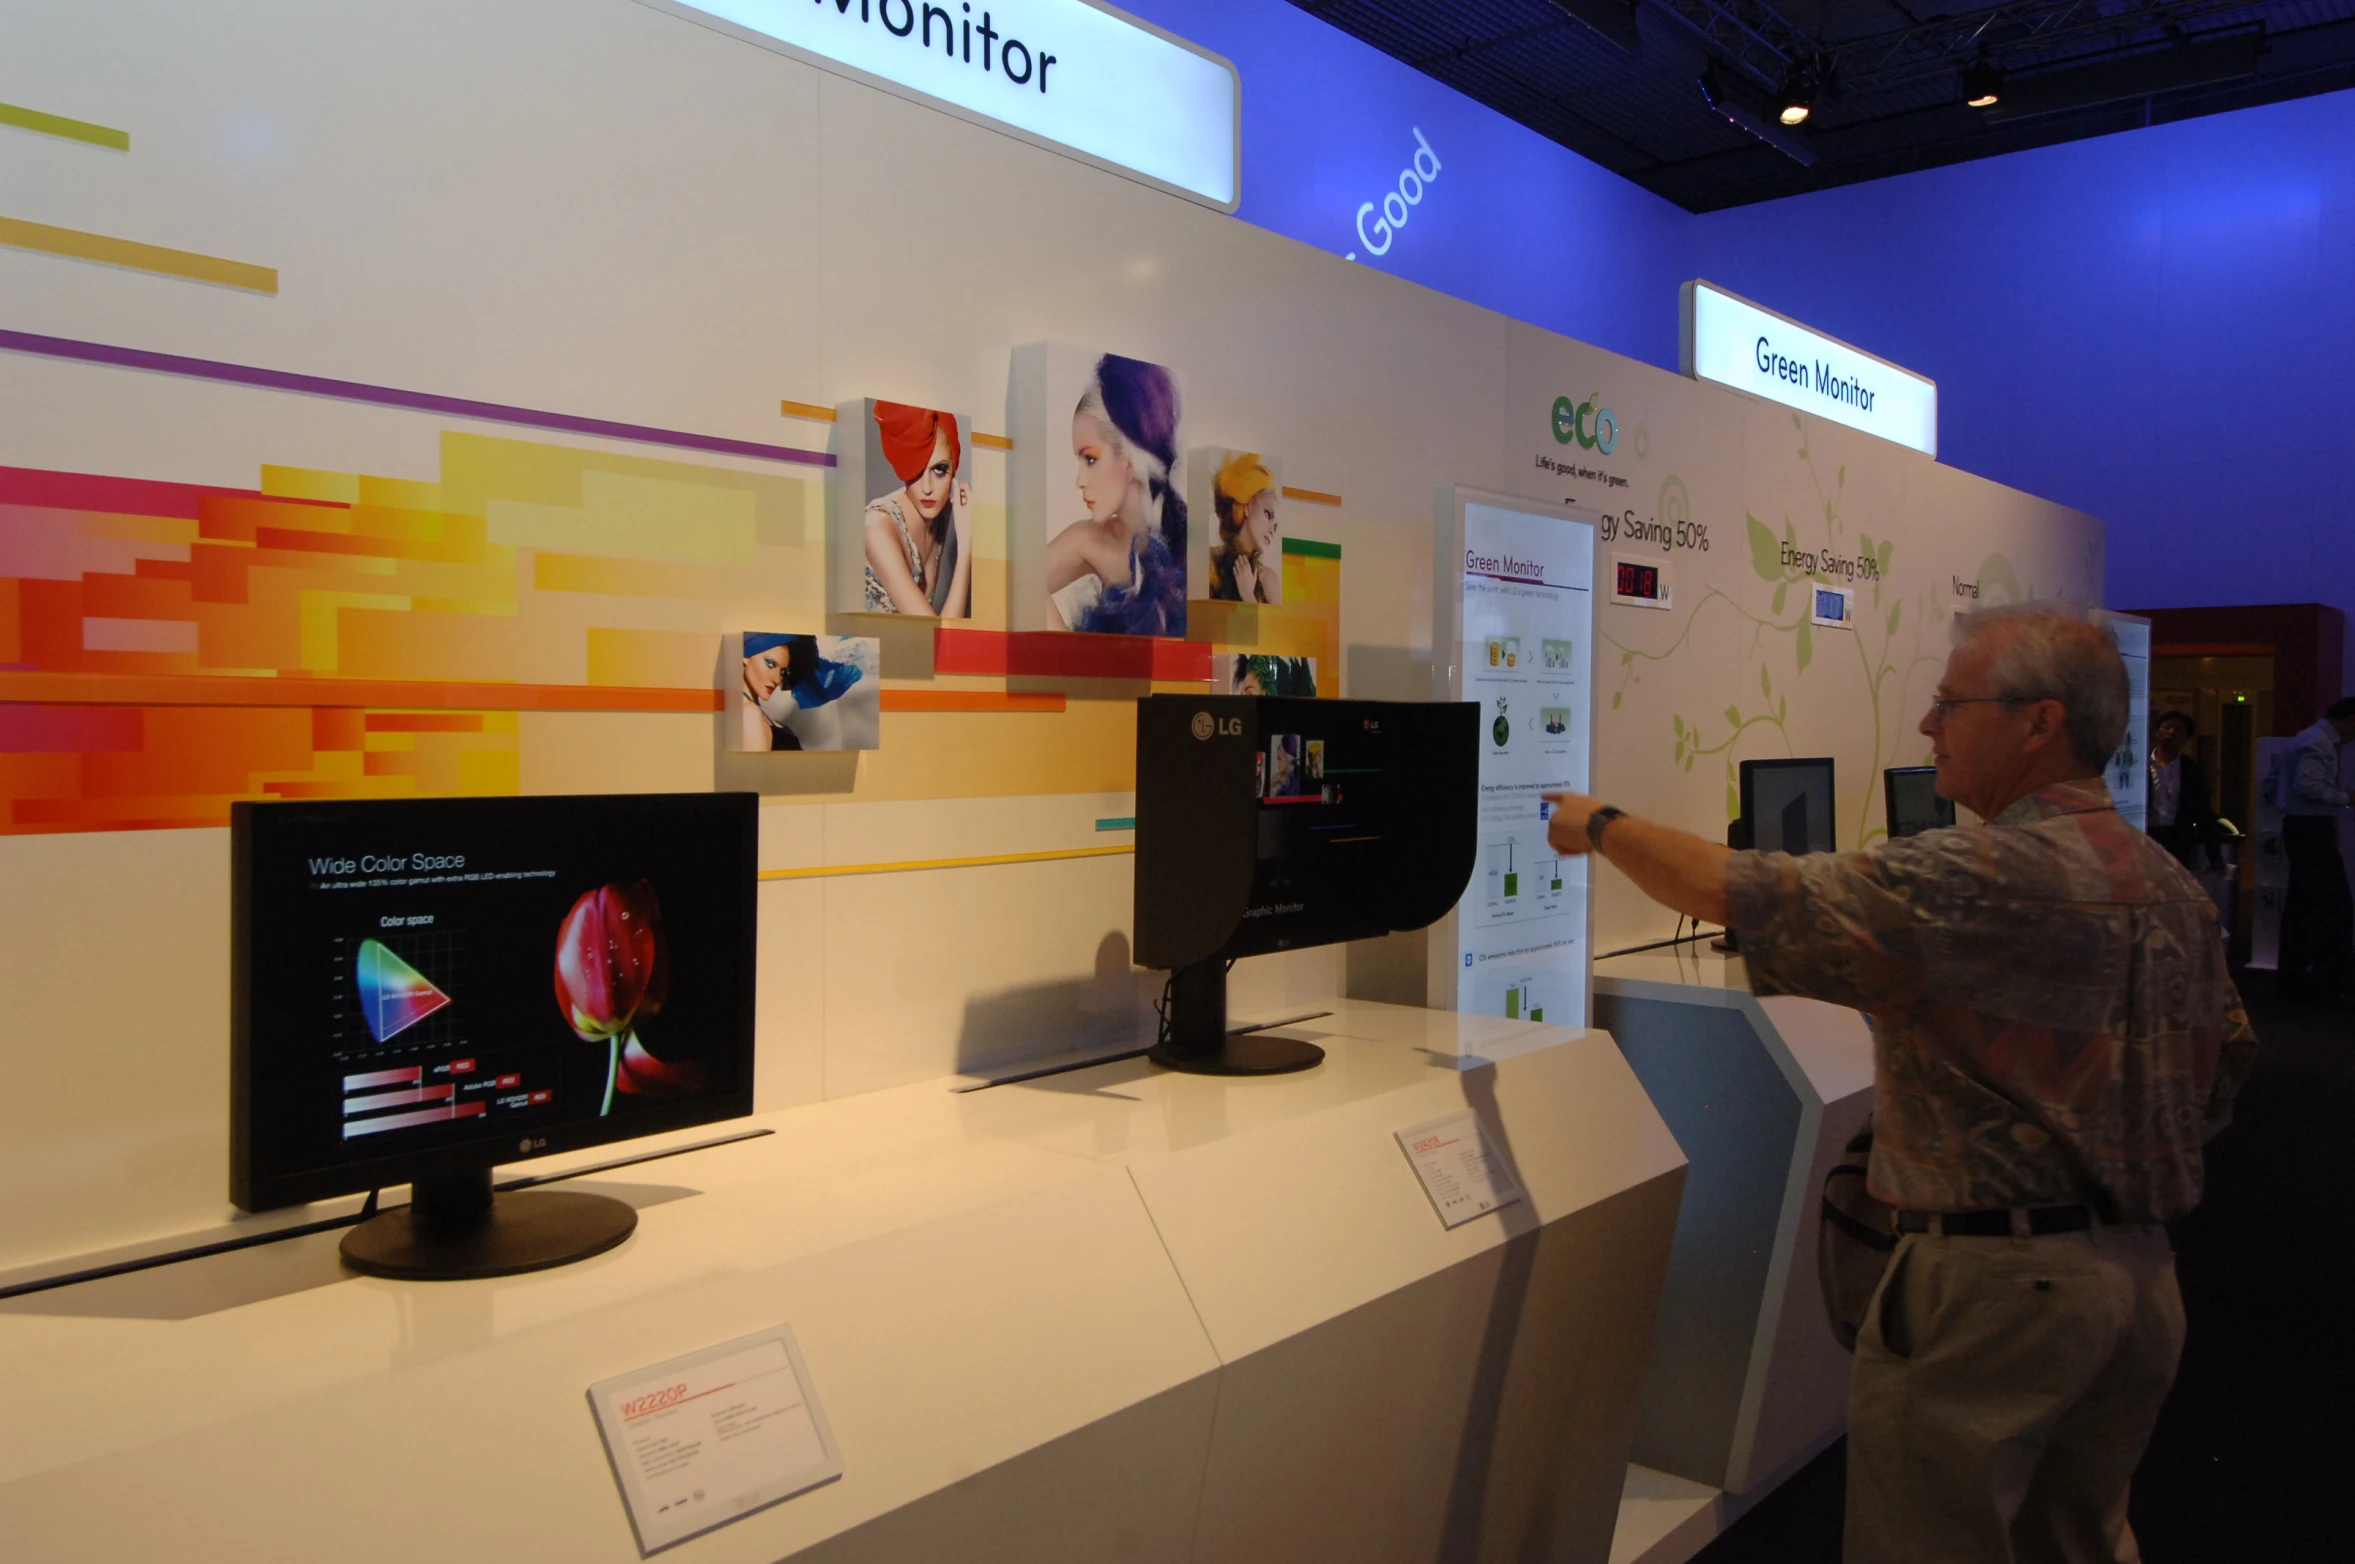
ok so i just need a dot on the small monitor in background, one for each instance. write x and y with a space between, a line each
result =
1914 804
423 988
1268 823
1788 804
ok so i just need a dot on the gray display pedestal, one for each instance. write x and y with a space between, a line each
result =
1747 1382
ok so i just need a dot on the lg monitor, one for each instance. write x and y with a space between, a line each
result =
421 989
1911 793
1270 823
1787 805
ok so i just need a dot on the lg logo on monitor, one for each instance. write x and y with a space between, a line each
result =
1205 725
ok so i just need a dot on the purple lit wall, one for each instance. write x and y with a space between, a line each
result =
1513 221
2151 326
2148 326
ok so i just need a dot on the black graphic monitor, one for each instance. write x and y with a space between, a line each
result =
1914 805
421 989
1788 805
1270 823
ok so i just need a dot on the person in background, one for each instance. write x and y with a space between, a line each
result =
2055 1037
2182 815
2317 917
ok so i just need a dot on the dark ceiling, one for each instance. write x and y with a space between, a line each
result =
1621 81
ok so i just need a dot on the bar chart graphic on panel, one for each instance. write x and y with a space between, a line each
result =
1520 876
1523 633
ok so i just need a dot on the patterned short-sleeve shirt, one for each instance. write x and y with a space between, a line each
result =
2053 1017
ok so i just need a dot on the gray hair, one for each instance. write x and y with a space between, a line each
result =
2059 652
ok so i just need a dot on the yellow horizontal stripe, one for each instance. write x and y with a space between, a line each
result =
58 125
1313 496
80 246
912 864
996 442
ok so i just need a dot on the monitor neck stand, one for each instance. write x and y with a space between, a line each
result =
1197 1041
454 1228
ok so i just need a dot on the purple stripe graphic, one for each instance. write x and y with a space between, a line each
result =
387 396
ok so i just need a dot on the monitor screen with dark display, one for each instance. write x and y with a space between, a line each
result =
434 986
1788 804
1911 793
1269 823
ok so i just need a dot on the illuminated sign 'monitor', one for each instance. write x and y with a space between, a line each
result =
1069 74
1728 339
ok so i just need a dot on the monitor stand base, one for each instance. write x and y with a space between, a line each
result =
1198 1042
1244 1053
455 1229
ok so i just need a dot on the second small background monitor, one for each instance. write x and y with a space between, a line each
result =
1911 793
1789 805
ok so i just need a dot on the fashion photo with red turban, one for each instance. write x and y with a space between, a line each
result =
909 434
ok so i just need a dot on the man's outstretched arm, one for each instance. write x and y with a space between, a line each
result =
1681 872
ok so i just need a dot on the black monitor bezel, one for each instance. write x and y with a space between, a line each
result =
255 1184
1889 776
1750 769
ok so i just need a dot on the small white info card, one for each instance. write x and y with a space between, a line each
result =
700 1440
1461 1171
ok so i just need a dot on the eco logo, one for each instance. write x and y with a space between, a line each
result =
1588 424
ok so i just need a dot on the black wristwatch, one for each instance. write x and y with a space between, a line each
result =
1595 823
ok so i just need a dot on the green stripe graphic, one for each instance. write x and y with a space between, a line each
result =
58 125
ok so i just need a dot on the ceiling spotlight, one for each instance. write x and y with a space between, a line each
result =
1744 106
1797 99
1982 84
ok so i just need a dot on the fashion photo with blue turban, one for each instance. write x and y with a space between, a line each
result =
814 692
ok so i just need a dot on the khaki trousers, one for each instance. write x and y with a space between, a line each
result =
2004 1391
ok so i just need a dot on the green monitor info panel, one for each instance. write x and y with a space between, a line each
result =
1514 636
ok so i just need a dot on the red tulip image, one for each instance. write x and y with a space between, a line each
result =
611 974
643 1075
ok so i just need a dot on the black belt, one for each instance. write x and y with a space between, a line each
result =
1996 1224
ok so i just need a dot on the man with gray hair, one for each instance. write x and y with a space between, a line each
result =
2056 1035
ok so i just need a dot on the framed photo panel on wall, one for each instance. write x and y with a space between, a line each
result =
1099 530
809 692
1238 543
902 522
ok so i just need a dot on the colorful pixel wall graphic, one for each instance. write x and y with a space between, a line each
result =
169 648
394 996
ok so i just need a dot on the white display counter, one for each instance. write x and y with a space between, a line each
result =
1110 1314
1747 1381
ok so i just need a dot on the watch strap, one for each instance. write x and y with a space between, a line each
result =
1595 823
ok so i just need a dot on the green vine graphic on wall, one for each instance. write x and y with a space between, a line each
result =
1894 638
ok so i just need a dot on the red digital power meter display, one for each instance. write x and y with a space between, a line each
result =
1638 581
